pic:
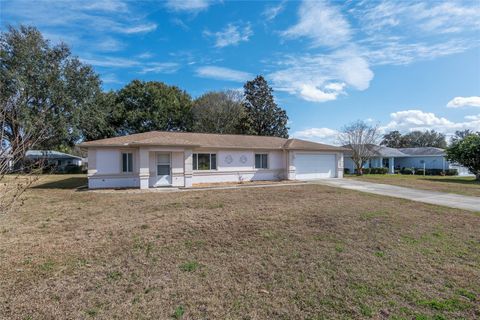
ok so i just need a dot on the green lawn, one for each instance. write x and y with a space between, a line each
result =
290 252
453 184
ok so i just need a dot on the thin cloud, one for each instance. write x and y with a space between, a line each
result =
231 35
459 102
160 67
188 5
321 23
271 12
221 73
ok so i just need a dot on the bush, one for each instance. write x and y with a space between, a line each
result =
451 172
419 172
379 170
72 169
407 171
434 172
366 170
346 171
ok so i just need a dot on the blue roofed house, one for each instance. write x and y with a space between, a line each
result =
396 159
56 159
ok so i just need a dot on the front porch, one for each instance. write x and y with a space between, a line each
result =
382 162
164 167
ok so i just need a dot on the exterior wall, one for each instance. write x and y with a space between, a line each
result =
104 169
235 165
433 162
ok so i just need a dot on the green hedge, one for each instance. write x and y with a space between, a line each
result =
374 171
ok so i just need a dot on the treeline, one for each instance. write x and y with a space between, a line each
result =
51 100
414 139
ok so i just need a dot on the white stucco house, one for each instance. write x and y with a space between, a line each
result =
181 159
398 158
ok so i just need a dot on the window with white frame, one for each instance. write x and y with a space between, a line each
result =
261 161
127 162
204 161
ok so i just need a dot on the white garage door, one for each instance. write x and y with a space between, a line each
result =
314 166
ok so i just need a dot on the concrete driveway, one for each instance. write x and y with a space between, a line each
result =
432 197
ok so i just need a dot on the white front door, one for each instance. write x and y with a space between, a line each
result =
164 177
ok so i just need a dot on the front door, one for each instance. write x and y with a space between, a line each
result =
164 177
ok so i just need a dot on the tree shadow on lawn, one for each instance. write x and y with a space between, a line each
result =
466 180
71 183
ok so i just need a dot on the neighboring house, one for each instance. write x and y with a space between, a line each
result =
396 159
154 159
56 159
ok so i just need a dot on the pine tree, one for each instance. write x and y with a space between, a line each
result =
265 117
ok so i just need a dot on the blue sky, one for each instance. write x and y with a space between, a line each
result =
399 64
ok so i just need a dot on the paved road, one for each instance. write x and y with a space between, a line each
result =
432 197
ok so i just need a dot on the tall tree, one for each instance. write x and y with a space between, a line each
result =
265 117
360 138
147 106
43 88
427 138
466 152
102 119
393 139
219 112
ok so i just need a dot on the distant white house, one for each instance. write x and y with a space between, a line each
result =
396 159
155 159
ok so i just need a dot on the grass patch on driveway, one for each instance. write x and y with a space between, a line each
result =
292 252
466 186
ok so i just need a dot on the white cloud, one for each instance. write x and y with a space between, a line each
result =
143 28
110 62
110 44
321 78
410 120
188 5
221 73
473 117
320 22
459 102
160 67
231 35
393 52
418 18
325 135
271 12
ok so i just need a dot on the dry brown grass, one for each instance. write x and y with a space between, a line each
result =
291 252
467 186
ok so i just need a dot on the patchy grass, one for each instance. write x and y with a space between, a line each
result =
467 186
292 252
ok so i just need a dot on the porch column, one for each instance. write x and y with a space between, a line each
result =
340 165
392 165
144 169
188 168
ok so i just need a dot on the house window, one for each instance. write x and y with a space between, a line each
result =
204 161
261 161
127 162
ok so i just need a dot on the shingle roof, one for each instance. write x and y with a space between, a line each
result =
51 154
382 151
209 140
423 151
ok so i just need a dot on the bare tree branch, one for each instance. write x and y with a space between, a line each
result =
360 138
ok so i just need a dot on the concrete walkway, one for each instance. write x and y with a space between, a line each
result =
432 197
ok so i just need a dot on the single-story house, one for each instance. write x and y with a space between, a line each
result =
181 159
398 158
56 159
